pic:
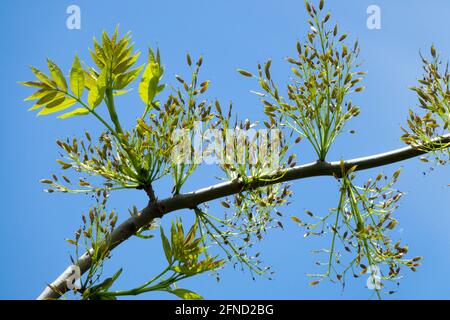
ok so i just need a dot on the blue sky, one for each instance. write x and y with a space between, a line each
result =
230 35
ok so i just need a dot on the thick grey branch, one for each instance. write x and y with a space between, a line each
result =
193 199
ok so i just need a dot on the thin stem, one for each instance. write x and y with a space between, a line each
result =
335 231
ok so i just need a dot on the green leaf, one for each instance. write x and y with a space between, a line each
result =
35 84
180 232
115 34
125 79
57 105
314 283
107 45
191 234
89 80
41 76
77 78
99 55
351 169
186 294
76 112
96 290
110 281
97 92
37 95
166 246
73 242
57 75
49 96
148 88
127 62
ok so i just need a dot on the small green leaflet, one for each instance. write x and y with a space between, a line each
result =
125 79
166 246
46 97
76 112
57 105
37 95
97 92
35 84
148 88
41 76
89 80
52 97
77 78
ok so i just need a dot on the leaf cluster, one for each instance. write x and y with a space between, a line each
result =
433 94
324 75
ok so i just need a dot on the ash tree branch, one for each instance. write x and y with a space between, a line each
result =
159 208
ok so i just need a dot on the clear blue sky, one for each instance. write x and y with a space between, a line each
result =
230 34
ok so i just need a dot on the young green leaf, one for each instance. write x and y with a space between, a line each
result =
37 95
186 294
245 73
148 88
46 98
34 84
97 92
41 76
76 112
120 92
57 105
57 75
125 79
